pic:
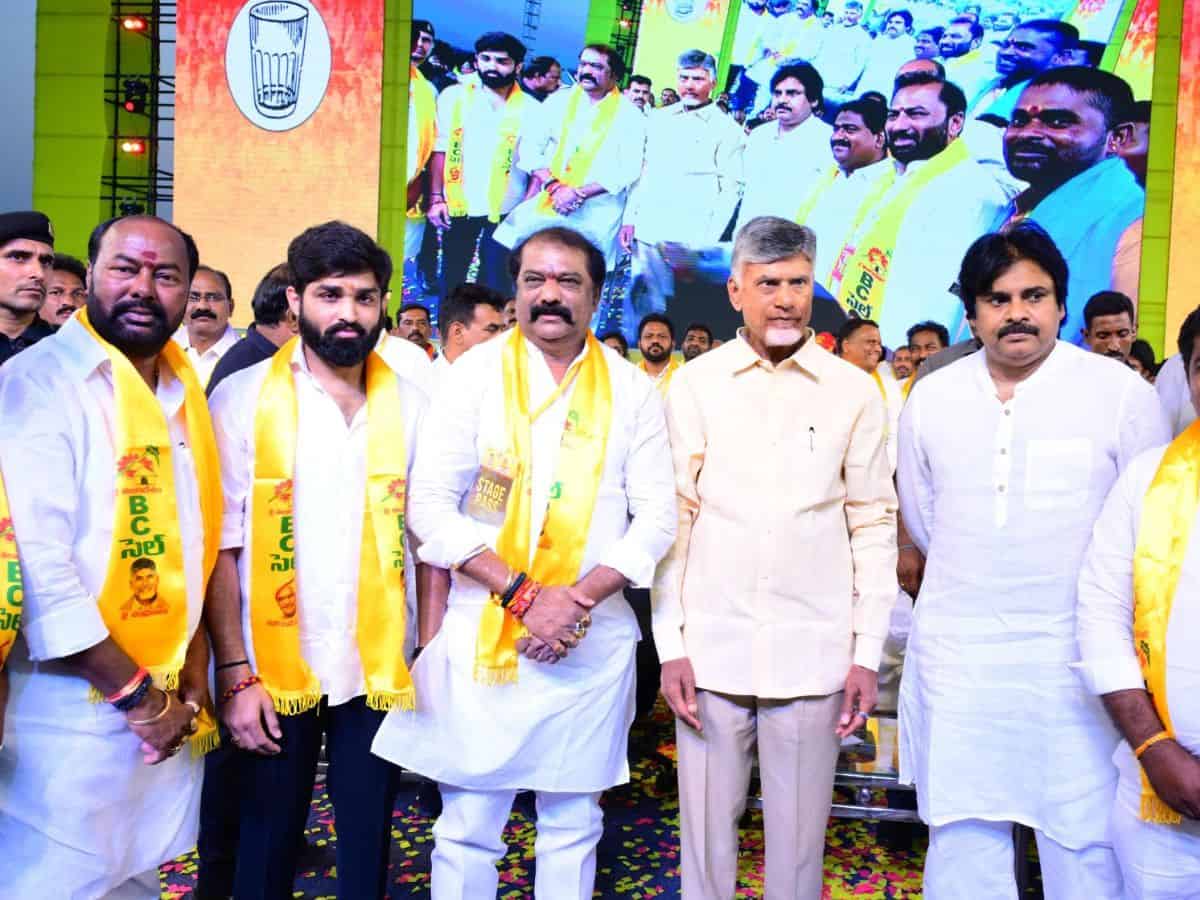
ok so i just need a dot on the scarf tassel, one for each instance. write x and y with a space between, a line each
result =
493 676
292 703
404 700
1153 809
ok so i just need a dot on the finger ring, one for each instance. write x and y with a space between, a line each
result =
193 706
580 629
586 621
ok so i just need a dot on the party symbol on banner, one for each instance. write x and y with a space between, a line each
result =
277 62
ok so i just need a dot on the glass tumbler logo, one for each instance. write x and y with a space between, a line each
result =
277 62
277 32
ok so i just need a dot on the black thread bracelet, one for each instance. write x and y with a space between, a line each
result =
125 704
511 591
230 665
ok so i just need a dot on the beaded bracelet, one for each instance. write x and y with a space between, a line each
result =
239 687
526 594
134 698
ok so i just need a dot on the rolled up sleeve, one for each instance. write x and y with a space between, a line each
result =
233 432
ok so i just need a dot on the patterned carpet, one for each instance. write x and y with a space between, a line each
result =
638 857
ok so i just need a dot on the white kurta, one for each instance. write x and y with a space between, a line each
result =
205 362
835 213
1108 660
1001 498
782 167
617 165
560 727
844 53
330 496
79 810
884 57
1175 394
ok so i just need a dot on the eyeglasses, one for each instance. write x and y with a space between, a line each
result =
206 298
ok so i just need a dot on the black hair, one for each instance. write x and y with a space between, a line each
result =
65 263
938 74
950 95
142 563
616 62
566 237
699 326
1107 303
422 26
414 305
972 23
1094 50
220 276
1140 112
853 324
1188 332
459 305
902 13
539 66
640 79
873 113
1105 91
501 42
616 336
1064 34
994 254
929 325
335 248
655 318
807 75
935 32
1144 353
270 302
189 245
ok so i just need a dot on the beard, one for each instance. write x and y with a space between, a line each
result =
690 352
340 352
496 80
656 353
927 145
138 343
777 336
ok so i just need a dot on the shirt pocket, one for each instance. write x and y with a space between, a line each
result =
1057 473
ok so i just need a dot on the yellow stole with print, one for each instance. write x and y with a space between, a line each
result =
12 593
274 608
573 169
887 420
502 160
559 553
1168 511
147 547
664 381
863 280
422 104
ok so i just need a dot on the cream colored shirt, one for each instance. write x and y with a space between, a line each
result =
783 572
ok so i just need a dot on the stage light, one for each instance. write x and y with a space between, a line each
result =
133 146
625 23
136 91
135 23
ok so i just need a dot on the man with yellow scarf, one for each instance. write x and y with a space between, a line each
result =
308 606
543 481
108 427
1138 623
1006 457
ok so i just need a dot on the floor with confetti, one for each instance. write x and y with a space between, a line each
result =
638 857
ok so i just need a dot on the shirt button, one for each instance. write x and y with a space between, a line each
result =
1004 451
1008 412
1000 489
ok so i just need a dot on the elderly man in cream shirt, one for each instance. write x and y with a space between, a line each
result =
771 610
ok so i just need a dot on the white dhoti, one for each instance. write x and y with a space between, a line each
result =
414 234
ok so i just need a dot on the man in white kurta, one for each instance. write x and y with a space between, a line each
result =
82 815
1005 459
1159 861
844 53
560 729
1171 384
888 52
575 120
690 184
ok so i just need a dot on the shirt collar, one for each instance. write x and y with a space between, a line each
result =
223 343
811 358
1044 372
85 355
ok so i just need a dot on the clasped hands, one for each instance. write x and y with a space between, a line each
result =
557 621
164 720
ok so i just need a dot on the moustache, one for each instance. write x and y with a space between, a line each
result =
551 309
125 306
1018 328
840 143
1114 354
588 78
781 107
903 135
331 333
204 314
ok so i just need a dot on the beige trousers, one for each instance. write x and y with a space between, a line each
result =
797 753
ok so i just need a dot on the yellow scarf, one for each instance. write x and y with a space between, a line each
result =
502 161
422 106
274 620
1162 541
12 592
863 279
664 380
147 543
573 170
907 387
824 183
559 553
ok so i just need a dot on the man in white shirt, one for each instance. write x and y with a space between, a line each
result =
93 797
1171 384
965 63
584 157
771 610
545 538
844 53
478 170
689 186
842 197
1006 457
470 315
794 34
892 49
859 344
209 334
309 630
1138 627
785 157
641 93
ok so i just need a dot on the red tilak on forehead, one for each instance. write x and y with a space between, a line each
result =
149 256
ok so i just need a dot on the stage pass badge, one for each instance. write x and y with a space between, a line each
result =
488 502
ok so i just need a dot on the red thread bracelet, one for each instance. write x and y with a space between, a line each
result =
129 687
523 599
239 687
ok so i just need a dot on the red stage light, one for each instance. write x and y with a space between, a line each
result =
133 146
134 23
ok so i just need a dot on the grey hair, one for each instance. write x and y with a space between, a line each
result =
768 239
698 59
